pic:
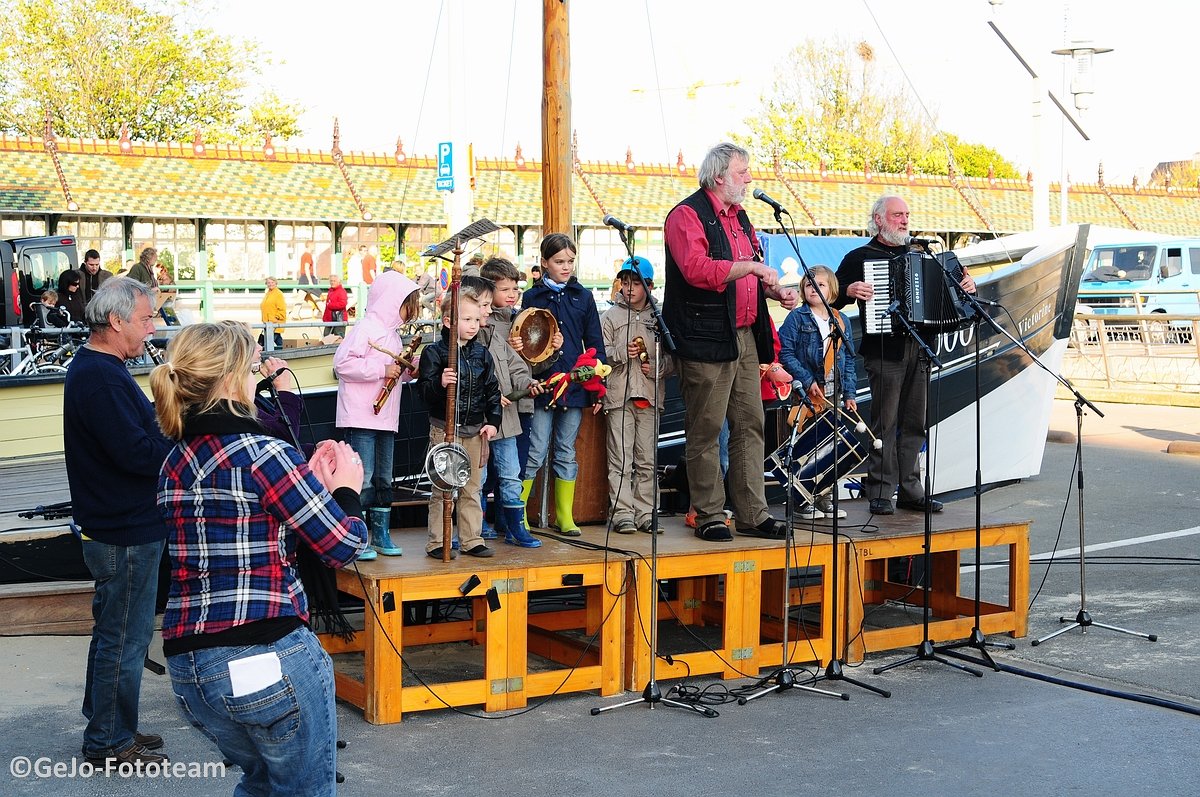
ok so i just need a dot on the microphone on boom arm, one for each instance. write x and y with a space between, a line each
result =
762 196
612 221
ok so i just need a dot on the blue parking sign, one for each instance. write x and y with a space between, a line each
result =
445 175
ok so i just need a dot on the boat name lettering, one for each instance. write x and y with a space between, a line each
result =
949 341
1036 317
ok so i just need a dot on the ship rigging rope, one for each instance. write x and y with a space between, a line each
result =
662 113
421 108
512 37
966 186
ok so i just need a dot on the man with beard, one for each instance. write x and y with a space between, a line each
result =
895 371
91 275
715 305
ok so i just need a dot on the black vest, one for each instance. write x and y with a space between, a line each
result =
704 323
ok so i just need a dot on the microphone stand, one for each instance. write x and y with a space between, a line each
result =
652 695
1082 620
976 640
785 677
925 650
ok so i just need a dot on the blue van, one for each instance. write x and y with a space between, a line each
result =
1143 268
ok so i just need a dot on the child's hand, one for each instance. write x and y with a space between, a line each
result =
596 408
632 351
556 342
816 393
646 369
504 402
488 432
515 341
536 388
449 378
851 405
392 371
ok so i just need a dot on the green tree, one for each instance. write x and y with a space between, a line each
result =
95 65
829 104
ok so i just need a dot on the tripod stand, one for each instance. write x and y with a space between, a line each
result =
925 650
976 640
785 676
652 695
834 670
1083 620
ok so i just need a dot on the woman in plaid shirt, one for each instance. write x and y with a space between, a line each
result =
245 666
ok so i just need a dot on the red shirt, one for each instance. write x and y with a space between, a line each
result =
684 235
368 269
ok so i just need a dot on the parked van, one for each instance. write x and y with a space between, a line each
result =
1144 269
29 266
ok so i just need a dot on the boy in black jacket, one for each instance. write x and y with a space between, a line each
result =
476 416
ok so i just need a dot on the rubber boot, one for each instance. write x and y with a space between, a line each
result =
564 505
517 533
526 489
381 531
487 532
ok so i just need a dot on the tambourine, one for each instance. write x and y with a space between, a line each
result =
536 328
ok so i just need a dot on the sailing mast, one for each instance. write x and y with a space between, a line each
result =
556 117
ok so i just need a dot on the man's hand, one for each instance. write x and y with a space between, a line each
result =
860 290
449 378
488 432
967 283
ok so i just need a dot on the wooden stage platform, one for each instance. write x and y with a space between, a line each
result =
569 618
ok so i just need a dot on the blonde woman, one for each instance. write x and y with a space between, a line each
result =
245 667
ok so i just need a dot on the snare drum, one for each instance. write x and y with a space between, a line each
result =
812 463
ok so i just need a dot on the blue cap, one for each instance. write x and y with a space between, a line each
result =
640 264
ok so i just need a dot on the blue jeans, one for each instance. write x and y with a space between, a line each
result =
283 737
564 425
123 611
376 449
507 465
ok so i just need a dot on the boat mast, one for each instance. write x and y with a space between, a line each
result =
556 117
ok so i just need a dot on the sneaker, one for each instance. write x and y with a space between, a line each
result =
481 551
436 553
625 526
647 527
825 505
134 754
807 511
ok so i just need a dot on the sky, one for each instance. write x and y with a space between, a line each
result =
384 70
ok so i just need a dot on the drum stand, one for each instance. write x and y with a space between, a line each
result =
652 695
925 650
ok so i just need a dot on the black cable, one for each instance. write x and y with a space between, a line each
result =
1099 690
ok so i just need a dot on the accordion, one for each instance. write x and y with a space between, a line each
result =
922 288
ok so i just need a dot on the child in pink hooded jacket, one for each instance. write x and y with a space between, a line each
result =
362 370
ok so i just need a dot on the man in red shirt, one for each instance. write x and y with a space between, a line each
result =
335 304
715 305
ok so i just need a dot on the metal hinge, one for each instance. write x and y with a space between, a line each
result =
741 654
745 566
506 586
502 686
691 603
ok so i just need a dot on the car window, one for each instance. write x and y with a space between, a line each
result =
1194 257
1171 264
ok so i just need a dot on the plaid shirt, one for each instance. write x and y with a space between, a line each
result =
236 505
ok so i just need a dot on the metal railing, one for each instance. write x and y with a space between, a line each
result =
1145 351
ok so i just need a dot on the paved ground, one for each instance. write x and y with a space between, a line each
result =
943 732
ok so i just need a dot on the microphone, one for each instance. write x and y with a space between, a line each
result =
912 239
799 392
263 375
612 221
762 196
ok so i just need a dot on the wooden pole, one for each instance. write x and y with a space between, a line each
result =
556 118
451 397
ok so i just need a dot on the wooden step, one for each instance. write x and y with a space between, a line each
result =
59 608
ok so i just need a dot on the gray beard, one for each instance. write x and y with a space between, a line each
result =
892 237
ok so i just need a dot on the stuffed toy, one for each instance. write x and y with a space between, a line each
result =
588 372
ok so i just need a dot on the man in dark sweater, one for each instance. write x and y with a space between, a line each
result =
114 451
895 371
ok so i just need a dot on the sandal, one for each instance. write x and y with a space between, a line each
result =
715 531
769 529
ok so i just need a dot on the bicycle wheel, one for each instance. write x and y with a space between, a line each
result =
47 368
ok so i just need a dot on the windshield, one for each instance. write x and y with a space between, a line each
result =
1122 263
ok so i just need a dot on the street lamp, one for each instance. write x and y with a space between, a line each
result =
1082 88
